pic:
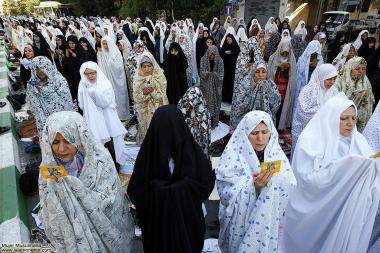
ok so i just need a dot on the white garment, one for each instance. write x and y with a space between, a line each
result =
97 100
341 58
285 37
358 42
271 27
334 205
249 220
111 63
230 30
241 35
300 30
372 130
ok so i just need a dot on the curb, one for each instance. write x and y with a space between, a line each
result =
13 211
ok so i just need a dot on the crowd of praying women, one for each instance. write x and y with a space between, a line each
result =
86 77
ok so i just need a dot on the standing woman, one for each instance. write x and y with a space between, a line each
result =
171 179
261 94
282 70
348 52
41 44
88 52
175 66
309 60
85 211
271 45
73 61
47 91
125 53
194 110
133 60
334 205
298 45
229 52
59 56
149 92
26 64
252 202
355 84
211 74
187 48
336 46
111 63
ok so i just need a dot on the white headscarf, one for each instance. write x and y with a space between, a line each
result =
300 30
358 42
255 22
334 205
271 27
372 130
241 35
243 211
341 58
287 37
150 35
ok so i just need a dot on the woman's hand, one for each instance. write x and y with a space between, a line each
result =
284 65
261 179
314 63
147 90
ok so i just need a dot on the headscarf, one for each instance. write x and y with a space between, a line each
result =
244 212
298 45
271 27
303 64
341 59
53 97
287 37
89 54
360 90
92 209
338 190
165 196
241 35
271 44
358 42
273 63
125 52
193 107
188 51
311 98
113 51
300 30
230 30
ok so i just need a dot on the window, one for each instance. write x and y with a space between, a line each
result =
365 5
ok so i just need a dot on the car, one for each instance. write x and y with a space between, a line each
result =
373 21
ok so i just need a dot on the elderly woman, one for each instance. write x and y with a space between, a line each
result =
149 91
211 74
47 91
355 84
96 98
334 205
86 210
252 199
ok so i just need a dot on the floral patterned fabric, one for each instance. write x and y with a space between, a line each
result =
372 130
193 108
249 220
359 90
298 45
54 96
88 213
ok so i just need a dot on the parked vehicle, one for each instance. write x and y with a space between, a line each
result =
373 21
336 21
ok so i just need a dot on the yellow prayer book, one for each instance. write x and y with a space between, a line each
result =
52 172
377 155
272 166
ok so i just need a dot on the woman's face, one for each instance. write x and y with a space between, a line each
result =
260 74
83 44
71 45
182 40
347 121
209 42
137 49
328 83
259 137
105 45
342 38
358 71
119 36
205 34
351 53
174 51
261 34
147 68
29 53
286 34
58 41
302 25
371 45
315 28
40 74
36 39
285 26
229 40
62 148
364 36
284 53
91 75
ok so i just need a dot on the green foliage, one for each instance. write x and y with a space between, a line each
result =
20 7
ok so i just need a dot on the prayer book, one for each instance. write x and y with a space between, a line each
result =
52 172
272 166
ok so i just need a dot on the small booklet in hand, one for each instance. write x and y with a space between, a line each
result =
272 166
377 155
52 172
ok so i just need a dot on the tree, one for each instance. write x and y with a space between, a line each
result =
19 7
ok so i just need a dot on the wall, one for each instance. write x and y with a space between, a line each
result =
261 9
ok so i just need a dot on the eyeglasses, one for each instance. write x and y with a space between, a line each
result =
90 73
